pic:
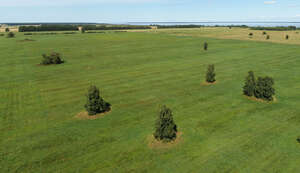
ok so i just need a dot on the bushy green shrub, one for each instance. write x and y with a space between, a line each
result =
10 35
82 30
264 88
1 35
205 46
95 103
165 127
298 139
250 84
250 34
7 30
210 74
264 33
268 37
287 37
53 58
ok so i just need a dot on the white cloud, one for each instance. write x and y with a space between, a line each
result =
270 2
298 15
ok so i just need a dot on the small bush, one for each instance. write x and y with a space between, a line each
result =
264 33
250 84
53 58
82 30
298 139
10 35
165 127
205 46
250 34
287 37
264 88
95 103
1 35
210 74
268 37
7 30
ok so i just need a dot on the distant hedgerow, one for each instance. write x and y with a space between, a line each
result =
165 127
250 84
53 58
210 74
205 46
95 103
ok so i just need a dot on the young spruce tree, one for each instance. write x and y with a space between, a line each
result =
165 127
264 88
210 74
95 103
205 46
250 84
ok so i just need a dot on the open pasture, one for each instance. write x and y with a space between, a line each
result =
222 131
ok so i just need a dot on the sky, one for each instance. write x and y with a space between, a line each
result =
123 11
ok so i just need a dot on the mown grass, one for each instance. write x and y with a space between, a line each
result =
222 130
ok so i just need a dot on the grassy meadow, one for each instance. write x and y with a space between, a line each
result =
137 72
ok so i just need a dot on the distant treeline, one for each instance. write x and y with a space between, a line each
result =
114 27
48 28
277 28
26 24
177 26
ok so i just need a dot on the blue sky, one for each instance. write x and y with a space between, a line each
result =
120 11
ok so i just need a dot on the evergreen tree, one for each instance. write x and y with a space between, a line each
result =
210 74
165 128
205 46
250 84
264 88
10 35
95 103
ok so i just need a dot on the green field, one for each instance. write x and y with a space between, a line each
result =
137 72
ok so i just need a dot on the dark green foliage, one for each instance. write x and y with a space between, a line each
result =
82 30
177 26
114 27
298 139
205 46
268 37
210 74
278 28
53 58
264 33
264 88
95 103
250 34
250 84
165 127
48 27
287 37
7 30
10 35
1 35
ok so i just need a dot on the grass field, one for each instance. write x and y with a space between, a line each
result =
222 131
235 33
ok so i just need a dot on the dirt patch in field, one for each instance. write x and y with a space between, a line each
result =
155 144
208 84
261 100
85 116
